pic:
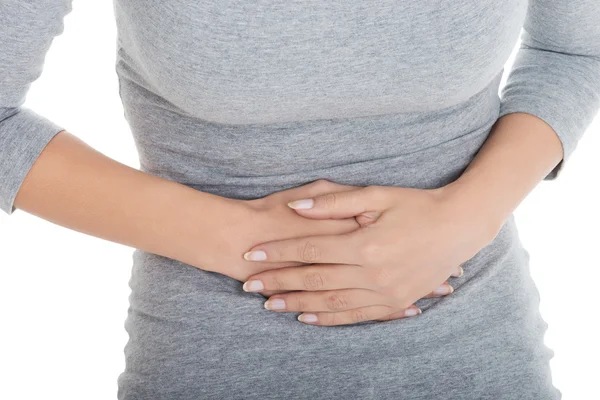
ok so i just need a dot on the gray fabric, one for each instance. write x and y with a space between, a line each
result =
245 98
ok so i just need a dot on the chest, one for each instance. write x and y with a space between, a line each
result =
251 59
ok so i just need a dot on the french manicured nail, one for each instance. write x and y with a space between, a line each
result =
444 289
307 318
411 312
275 304
253 286
301 204
257 255
458 273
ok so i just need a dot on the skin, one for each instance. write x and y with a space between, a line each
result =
377 271
74 186
79 188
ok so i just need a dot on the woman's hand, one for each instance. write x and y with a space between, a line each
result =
409 243
250 222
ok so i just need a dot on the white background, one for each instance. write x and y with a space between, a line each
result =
64 295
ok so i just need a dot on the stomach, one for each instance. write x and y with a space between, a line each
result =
196 334
420 149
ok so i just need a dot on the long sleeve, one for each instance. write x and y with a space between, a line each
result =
556 74
27 28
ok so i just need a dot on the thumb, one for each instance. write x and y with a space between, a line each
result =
339 205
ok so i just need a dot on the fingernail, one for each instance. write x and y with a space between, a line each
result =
253 286
275 304
307 318
411 312
257 255
301 204
444 289
459 273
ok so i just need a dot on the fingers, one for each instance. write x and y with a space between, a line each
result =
344 204
443 290
315 188
409 312
325 301
323 186
312 249
268 293
321 277
313 278
458 272
354 316
335 300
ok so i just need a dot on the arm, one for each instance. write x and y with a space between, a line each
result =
48 172
519 153
551 96
75 186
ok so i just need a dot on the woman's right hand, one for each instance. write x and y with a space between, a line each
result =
250 222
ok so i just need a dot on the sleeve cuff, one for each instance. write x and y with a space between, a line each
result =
561 89
23 136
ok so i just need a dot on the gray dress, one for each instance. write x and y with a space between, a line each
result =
246 98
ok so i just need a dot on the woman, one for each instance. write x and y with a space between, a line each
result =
381 125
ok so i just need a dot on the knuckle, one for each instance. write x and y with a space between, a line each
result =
313 281
336 302
278 283
330 200
359 315
279 252
300 303
308 252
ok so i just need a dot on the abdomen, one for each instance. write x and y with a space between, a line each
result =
196 334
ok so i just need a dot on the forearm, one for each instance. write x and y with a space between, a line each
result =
77 187
520 151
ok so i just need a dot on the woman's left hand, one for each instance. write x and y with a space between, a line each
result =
409 243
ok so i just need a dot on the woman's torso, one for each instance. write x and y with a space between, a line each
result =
243 99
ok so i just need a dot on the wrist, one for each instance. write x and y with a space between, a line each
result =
205 226
471 205
519 152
